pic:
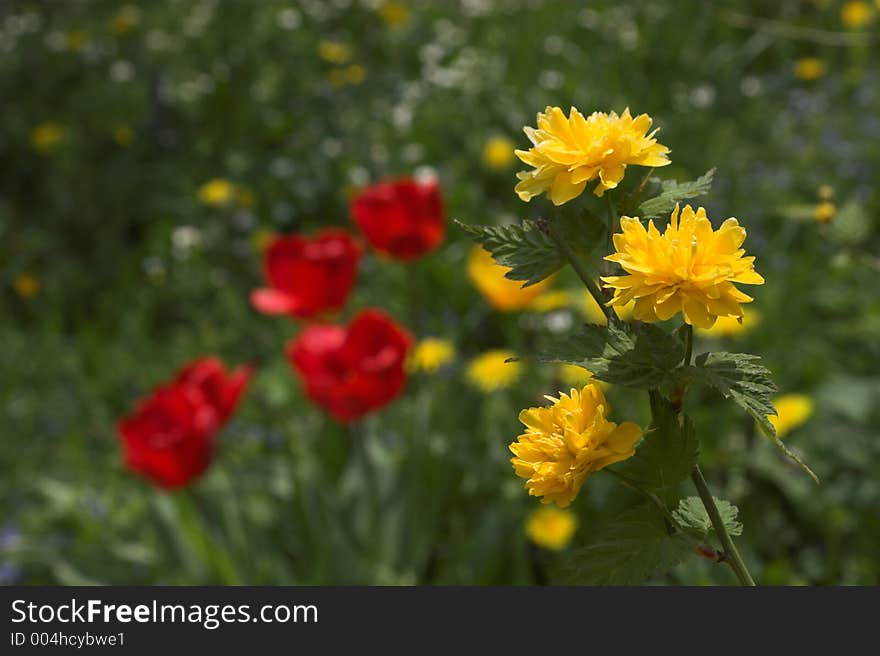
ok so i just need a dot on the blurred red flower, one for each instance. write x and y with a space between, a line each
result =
308 276
351 371
401 218
170 437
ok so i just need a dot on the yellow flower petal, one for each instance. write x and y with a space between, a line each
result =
567 153
501 293
689 268
551 528
566 442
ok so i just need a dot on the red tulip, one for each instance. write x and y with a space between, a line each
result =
351 371
170 437
401 218
308 276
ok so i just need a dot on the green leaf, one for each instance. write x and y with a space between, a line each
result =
530 253
633 354
667 453
741 377
579 228
673 192
629 550
691 514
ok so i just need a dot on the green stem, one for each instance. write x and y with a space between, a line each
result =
732 555
584 275
653 498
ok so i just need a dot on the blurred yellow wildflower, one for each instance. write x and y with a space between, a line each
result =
500 292
26 285
809 69
854 15
567 153
576 376
490 372
591 311
218 192
792 410
395 14
824 211
354 74
430 354
334 52
825 191
124 20
551 300
689 268
551 528
123 135
45 136
498 153
567 441
732 326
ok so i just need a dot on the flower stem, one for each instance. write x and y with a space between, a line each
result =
732 555
584 275
688 344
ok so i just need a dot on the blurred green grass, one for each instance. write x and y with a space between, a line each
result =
136 276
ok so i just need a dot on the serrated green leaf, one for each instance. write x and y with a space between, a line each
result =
741 377
691 514
531 255
668 452
632 354
673 192
634 546
581 230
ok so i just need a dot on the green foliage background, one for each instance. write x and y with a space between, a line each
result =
421 492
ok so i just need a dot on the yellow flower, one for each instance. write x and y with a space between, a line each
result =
334 52
123 135
809 69
216 193
501 293
354 74
566 442
856 14
498 153
569 152
490 371
549 301
576 376
45 136
732 326
395 14
430 354
551 528
124 20
689 268
593 313
26 286
792 410
824 211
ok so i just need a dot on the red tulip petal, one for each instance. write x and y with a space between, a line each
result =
273 301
